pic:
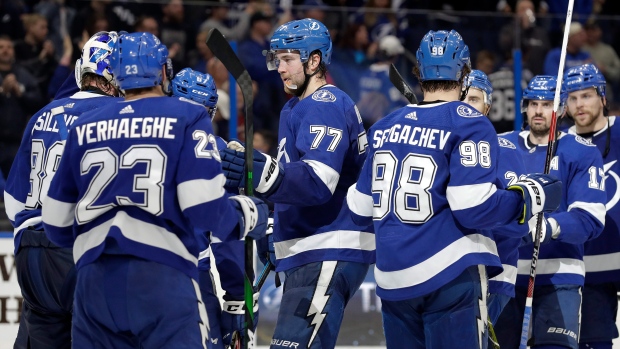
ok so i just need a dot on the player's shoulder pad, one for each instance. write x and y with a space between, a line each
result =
503 142
466 111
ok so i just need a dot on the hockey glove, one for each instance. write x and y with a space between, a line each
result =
265 248
541 193
550 230
233 318
253 214
268 172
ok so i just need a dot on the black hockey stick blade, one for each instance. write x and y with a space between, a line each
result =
224 52
402 86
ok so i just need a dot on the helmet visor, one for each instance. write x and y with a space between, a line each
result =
272 59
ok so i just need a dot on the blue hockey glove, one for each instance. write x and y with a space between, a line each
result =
267 173
541 193
550 230
265 248
233 319
253 214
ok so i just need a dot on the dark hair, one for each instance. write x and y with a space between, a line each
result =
441 85
100 82
321 70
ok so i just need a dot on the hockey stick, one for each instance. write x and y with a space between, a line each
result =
527 315
222 50
401 85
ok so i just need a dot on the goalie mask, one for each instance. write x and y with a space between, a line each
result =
95 57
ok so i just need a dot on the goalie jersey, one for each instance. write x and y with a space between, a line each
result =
322 147
602 255
137 177
37 158
429 184
581 215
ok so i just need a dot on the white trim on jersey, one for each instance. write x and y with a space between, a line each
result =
339 239
440 261
12 206
467 196
204 325
602 262
27 223
58 213
359 203
85 95
596 209
328 175
200 191
509 275
135 230
552 266
205 254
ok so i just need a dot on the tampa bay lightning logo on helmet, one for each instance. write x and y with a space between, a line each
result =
137 61
95 57
583 77
304 35
442 56
542 87
480 80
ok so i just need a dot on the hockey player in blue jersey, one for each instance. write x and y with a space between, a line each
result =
137 179
428 184
560 269
322 146
509 169
201 88
46 272
587 106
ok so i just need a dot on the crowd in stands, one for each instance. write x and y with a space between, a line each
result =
40 40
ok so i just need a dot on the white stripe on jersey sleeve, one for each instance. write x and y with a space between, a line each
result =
602 262
467 196
27 223
509 275
200 191
12 206
552 266
328 175
339 239
359 203
429 268
205 254
596 209
133 229
58 213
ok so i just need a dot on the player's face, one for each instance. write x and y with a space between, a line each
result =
585 106
291 71
475 98
539 114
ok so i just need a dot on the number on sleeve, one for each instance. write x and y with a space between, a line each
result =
204 139
594 183
320 132
473 154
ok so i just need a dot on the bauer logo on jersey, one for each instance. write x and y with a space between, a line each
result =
323 96
467 112
503 142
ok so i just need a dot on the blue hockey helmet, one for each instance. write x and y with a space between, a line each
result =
95 57
304 35
542 87
137 61
583 77
195 86
480 80
442 56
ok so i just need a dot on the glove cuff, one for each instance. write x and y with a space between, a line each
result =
238 307
271 177
249 213
555 228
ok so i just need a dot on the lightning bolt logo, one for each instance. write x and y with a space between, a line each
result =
482 305
616 197
320 298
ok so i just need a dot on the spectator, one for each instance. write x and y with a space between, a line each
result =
59 16
147 24
534 41
36 52
177 35
219 15
270 97
314 9
199 57
379 18
19 99
350 59
486 61
575 55
605 57
265 141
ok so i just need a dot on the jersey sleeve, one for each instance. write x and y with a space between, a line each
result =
17 185
359 200
200 182
472 193
62 197
230 265
323 140
584 218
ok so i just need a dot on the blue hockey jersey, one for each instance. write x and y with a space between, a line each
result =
510 167
602 255
37 158
137 177
322 146
429 184
581 215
